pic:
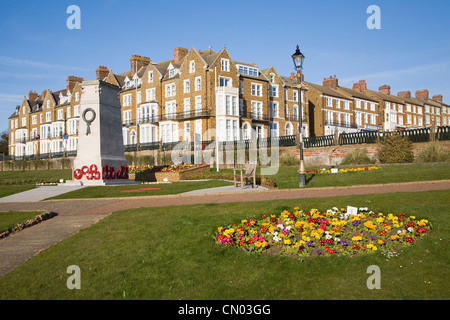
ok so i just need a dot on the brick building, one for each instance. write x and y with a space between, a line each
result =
207 95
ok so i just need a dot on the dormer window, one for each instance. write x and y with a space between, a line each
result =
77 96
171 73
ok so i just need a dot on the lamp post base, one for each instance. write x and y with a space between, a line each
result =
301 180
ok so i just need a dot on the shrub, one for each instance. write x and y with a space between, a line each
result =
286 159
358 156
434 152
395 149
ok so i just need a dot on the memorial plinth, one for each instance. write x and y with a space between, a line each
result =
100 156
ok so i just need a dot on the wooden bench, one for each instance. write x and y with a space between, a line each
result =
250 172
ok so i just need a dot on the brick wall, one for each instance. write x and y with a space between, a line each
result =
333 156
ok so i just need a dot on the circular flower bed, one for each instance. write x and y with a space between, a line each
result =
334 232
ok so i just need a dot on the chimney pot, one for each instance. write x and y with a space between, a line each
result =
72 81
179 53
102 72
438 97
385 90
331 82
137 62
404 94
422 94
32 95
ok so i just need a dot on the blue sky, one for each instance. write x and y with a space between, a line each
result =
411 51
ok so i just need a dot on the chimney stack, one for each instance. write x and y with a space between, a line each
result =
385 90
331 82
179 53
137 62
360 86
32 95
72 81
438 98
102 72
404 94
422 94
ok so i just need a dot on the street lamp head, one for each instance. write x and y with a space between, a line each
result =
298 58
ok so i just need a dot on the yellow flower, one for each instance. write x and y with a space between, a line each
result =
357 238
219 229
271 229
394 237
380 241
380 220
287 241
244 221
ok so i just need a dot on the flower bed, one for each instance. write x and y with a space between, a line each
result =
343 170
334 232
166 173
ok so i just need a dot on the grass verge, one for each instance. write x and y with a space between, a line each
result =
10 219
169 253
161 189
287 177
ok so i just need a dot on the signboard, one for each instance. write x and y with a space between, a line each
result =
352 210
372 127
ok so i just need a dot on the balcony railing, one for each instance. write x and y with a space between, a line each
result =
256 116
341 124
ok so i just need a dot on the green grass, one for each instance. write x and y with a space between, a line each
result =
34 176
169 253
9 190
164 189
287 177
11 219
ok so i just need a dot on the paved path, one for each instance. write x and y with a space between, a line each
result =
40 193
74 215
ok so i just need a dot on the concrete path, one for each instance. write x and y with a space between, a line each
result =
39 194
74 215
226 189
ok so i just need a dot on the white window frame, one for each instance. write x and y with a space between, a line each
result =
198 83
225 65
127 100
256 90
186 86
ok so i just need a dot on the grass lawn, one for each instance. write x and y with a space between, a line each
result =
287 177
11 219
169 254
164 189
9 190
33 176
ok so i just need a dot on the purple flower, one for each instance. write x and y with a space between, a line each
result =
285 232
344 243
355 223
309 244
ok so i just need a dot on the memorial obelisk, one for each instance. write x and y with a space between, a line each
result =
100 140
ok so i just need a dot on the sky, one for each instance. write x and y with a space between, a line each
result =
411 50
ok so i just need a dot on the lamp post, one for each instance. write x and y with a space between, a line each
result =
298 59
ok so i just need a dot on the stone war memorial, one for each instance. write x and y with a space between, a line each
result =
100 158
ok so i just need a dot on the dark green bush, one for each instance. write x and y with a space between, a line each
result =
395 149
